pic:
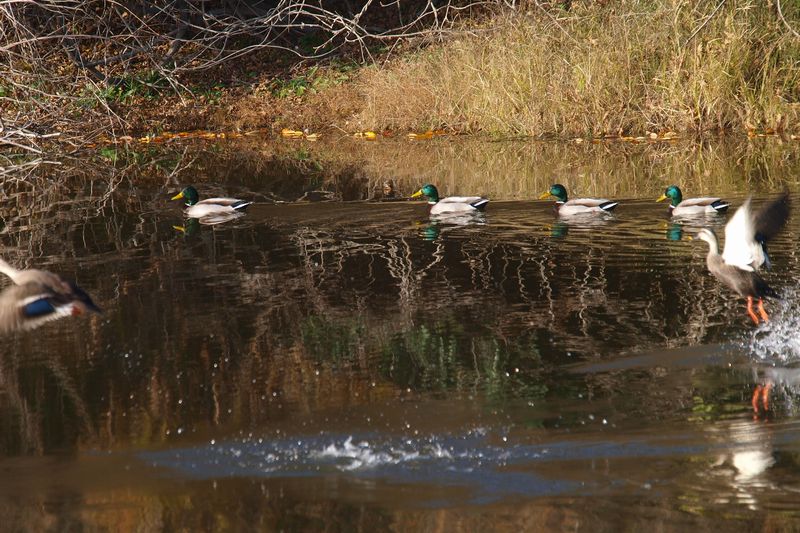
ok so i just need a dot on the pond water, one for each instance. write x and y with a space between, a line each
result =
334 360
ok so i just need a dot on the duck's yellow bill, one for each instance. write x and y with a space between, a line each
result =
417 194
177 196
544 195
689 238
179 228
662 198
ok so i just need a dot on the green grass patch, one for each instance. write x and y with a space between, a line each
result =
313 80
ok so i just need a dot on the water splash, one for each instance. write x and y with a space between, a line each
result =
778 341
481 461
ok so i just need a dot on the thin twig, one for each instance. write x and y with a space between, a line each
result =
785 22
703 25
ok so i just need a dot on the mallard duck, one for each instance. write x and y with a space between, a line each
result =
746 235
451 204
210 207
577 206
30 305
38 296
691 206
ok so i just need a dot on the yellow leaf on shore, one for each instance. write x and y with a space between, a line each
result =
292 134
312 136
369 135
421 136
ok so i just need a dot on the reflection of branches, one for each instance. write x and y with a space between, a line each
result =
21 400
223 321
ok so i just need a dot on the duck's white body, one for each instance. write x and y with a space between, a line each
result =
698 206
458 204
216 206
585 206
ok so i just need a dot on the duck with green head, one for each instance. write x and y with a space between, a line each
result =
210 207
691 206
577 206
450 204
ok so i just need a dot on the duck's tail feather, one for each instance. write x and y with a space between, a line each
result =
240 205
720 206
608 206
765 291
481 204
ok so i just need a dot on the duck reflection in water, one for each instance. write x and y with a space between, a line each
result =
747 459
211 220
787 379
38 297
189 228
438 224
674 231
559 229
562 225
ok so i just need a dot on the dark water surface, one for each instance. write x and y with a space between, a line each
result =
351 365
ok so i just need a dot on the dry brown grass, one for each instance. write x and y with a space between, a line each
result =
662 65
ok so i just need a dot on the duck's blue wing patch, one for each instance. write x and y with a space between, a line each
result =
38 308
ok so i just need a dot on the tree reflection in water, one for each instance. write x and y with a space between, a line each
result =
336 316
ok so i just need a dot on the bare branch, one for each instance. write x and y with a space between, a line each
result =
783 19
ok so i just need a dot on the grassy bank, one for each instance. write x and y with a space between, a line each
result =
634 67
596 68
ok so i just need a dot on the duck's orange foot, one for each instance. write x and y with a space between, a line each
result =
761 310
750 310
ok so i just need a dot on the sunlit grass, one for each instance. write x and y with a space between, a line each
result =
640 66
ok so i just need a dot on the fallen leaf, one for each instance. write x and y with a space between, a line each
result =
420 136
293 134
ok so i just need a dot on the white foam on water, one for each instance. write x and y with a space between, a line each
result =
778 340
349 455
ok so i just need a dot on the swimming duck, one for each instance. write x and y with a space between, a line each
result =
451 204
691 206
210 207
577 206
746 235
38 296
